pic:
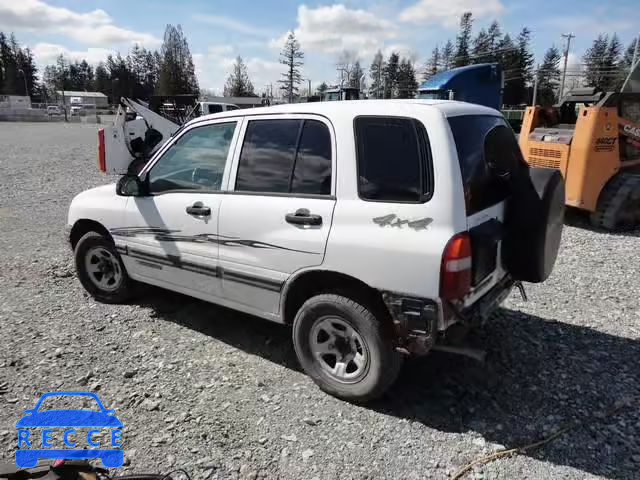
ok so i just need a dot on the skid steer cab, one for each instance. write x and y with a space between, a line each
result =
136 134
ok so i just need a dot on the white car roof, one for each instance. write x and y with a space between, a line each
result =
409 107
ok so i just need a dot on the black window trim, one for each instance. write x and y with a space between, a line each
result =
175 141
426 159
302 119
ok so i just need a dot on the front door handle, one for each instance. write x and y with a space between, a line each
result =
303 217
199 210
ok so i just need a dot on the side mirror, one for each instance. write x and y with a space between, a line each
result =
130 186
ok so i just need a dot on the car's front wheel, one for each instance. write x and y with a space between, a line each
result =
100 269
346 349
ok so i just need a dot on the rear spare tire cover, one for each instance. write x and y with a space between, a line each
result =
534 219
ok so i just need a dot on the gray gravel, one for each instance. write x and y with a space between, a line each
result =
221 395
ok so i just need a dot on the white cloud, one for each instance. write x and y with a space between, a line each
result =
231 24
599 23
336 28
91 28
219 50
47 53
213 68
448 12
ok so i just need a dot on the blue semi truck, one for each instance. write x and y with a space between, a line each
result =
482 83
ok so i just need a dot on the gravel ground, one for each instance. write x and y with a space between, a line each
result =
221 395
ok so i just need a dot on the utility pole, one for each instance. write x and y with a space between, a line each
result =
309 80
568 36
535 87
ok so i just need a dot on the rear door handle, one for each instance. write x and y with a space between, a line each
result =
199 210
303 217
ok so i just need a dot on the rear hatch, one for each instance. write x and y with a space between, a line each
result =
486 146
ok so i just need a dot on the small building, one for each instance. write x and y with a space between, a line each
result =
16 102
73 98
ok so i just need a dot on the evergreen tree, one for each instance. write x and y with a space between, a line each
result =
390 77
433 65
322 88
9 66
177 71
17 68
407 84
549 77
494 36
481 48
291 56
355 79
102 81
625 64
463 41
602 62
238 82
446 55
376 73
517 62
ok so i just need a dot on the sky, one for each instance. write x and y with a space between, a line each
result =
220 30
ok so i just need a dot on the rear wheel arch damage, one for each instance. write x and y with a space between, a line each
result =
315 282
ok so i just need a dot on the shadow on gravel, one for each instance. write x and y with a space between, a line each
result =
540 375
251 334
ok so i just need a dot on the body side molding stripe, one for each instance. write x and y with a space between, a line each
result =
158 261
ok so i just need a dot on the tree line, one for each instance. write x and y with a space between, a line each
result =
140 74
18 72
170 71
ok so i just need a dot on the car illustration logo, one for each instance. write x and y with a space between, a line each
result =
32 447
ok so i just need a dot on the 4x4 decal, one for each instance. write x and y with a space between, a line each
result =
392 220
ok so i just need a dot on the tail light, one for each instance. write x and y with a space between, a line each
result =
455 273
102 163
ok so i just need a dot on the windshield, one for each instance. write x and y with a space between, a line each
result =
434 94
63 402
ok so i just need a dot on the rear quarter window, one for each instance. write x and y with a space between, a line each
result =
393 159
488 152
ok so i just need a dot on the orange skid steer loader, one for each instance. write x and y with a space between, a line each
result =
593 138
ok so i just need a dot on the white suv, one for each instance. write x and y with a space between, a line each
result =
372 227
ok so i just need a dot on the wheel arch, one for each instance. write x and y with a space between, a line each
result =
309 283
84 226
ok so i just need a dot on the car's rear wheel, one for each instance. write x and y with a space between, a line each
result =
346 349
100 269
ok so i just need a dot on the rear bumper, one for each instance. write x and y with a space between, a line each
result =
419 322
488 303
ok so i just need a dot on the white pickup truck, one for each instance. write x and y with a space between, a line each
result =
374 228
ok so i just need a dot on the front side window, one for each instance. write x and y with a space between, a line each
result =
392 159
285 156
195 161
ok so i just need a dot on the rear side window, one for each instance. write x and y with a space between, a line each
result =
285 156
488 152
312 172
393 159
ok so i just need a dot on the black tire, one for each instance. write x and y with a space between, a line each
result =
619 204
118 292
534 219
383 363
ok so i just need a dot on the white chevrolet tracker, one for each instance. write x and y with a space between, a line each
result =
376 229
